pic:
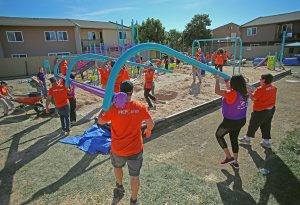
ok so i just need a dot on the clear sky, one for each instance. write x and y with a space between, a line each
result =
174 14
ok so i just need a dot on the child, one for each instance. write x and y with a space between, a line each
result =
225 57
166 62
125 73
5 98
149 75
41 76
264 99
72 102
219 60
234 109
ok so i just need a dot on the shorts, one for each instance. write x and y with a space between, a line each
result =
134 162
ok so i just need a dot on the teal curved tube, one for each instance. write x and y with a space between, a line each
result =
92 56
109 92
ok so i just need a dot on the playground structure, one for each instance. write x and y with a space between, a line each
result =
109 92
272 60
115 50
226 40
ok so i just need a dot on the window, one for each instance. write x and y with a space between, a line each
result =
120 35
14 36
232 35
62 36
91 36
287 28
19 55
251 31
59 54
50 36
101 37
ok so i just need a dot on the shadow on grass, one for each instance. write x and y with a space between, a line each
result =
156 133
281 183
237 195
17 159
78 169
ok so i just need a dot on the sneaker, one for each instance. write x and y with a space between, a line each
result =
266 144
227 160
133 202
245 140
119 191
235 165
66 133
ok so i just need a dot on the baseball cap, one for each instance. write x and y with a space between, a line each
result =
126 86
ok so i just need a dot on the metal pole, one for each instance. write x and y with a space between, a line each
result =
118 35
234 57
137 32
241 54
123 44
132 33
282 46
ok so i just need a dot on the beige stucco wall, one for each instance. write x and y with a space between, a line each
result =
226 30
34 41
110 36
265 33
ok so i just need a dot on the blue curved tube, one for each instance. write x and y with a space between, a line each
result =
142 47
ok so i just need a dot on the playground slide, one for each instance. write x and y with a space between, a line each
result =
85 67
257 61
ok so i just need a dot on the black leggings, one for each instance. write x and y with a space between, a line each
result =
233 128
148 96
219 67
72 102
261 119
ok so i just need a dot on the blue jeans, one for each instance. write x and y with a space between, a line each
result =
64 113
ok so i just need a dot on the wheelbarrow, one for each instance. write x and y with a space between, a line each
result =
33 99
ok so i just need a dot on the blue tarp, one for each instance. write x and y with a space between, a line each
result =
258 60
290 61
94 140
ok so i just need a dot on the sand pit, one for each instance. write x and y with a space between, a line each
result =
175 91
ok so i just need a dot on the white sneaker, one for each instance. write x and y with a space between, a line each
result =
266 144
245 140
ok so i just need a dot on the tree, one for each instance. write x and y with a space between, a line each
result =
152 30
176 39
196 29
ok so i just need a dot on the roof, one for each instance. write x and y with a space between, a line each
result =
96 24
280 18
295 44
227 25
19 21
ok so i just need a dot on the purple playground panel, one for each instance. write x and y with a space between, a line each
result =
96 91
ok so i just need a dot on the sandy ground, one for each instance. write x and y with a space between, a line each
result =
175 91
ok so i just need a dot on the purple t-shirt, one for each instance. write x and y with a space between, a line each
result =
41 76
237 110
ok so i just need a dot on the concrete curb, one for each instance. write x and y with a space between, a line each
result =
200 110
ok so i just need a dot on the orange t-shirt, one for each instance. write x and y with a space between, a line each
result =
149 75
213 56
126 75
4 90
158 63
207 57
60 95
104 73
230 96
126 126
225 56
219 59
138 60
119 80
64 69
264 97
